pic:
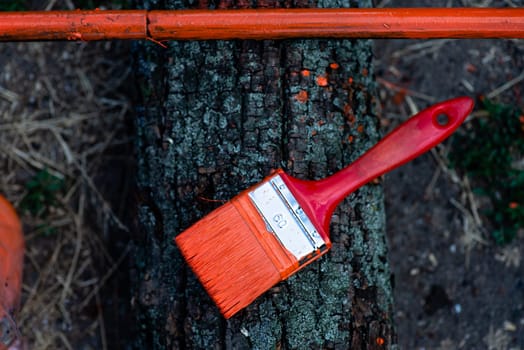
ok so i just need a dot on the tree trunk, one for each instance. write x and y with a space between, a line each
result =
218 116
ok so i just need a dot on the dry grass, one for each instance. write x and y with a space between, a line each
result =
60 111
412 75
475 233
397 97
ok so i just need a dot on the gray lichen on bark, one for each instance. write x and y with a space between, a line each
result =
218 117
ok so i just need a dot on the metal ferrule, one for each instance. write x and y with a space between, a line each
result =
285 218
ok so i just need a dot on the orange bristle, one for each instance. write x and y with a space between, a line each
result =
225 252
235 256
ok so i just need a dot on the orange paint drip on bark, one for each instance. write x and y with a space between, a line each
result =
351 118
322 81
302 96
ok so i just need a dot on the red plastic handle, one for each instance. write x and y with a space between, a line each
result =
414 137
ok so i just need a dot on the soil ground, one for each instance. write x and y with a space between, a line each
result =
64 127
454 288
65 107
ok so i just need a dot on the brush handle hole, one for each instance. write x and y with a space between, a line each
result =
442 119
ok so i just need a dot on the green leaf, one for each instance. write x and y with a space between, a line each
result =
486 153
42 193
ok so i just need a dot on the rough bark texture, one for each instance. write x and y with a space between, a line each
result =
217 117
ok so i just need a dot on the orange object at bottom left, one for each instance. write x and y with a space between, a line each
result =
11 267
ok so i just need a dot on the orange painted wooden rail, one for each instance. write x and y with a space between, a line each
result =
415 23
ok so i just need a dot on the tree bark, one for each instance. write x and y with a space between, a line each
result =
217 117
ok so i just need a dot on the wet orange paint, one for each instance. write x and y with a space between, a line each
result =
471 68
380 341
416 23
399 97
322 81
341 23
11 270
159 43
348 112
377 181
302 96
73 25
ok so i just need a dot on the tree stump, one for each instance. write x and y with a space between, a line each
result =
217 117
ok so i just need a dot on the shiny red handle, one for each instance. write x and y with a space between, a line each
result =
414 137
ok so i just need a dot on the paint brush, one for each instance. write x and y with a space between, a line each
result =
270 231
